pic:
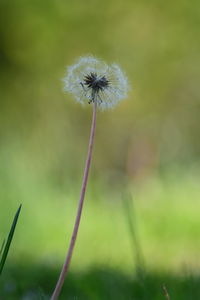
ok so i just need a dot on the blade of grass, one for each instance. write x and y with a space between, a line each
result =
2 246
129 211
9 240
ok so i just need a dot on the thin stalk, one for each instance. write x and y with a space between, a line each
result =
66 264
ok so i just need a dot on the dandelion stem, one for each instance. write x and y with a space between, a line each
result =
66 264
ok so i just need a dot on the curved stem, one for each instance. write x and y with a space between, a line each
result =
65 267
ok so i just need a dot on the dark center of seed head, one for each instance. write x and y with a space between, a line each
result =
95 82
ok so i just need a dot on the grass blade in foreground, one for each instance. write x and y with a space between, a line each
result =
2 247
9 240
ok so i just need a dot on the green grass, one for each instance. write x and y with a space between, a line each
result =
36 281
167 225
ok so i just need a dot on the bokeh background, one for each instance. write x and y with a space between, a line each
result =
140 228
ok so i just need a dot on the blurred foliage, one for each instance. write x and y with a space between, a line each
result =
155 42
151 140
97 284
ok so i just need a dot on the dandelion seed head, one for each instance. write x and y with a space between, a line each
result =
92 80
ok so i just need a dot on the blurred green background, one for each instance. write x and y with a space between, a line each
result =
140 227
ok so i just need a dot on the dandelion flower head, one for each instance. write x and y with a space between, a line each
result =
92 80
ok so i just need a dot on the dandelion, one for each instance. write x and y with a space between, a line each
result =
91 81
